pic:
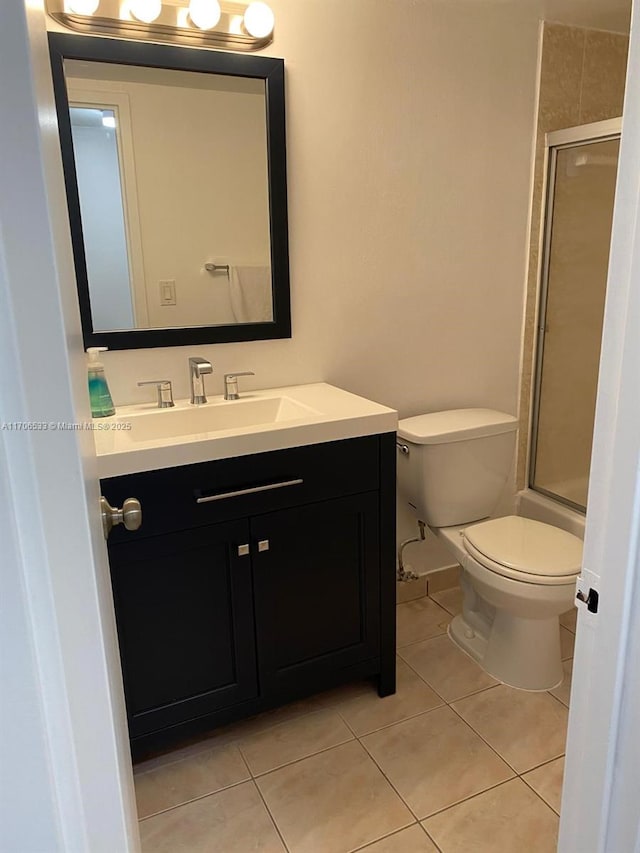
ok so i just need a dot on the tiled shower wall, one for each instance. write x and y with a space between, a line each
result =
582 80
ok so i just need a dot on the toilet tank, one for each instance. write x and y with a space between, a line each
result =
457 463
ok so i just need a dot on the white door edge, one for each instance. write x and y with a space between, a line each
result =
596 815
56 562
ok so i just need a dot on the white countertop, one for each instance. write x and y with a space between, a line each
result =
314 414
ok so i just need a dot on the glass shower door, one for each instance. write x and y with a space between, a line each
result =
582 179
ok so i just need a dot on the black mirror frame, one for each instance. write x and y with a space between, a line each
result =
271 70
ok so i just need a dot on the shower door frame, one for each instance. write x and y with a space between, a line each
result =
557 140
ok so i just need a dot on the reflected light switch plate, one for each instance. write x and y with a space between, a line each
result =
167 291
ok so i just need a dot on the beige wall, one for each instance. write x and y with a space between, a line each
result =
581 80
409 135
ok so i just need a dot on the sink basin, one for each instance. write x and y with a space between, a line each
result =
186 420
142 437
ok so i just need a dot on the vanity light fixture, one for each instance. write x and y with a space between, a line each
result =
205 14
199 23
145 10
82 7
258 20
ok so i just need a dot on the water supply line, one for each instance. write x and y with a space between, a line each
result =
405 575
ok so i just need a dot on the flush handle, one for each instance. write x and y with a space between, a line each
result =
130 514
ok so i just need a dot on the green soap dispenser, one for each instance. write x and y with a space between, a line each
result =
99 394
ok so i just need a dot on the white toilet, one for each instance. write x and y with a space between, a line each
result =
518 574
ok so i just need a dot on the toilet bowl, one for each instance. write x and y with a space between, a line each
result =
518 574
518 577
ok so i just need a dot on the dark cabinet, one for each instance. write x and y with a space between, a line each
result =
254 581
184 612
317 591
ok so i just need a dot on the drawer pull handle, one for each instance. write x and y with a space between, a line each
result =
252 491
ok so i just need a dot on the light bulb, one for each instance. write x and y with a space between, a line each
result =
205 14
145 10
83 7
258 20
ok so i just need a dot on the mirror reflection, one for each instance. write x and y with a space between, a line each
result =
173 183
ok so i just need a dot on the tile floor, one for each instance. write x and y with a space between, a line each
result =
453 762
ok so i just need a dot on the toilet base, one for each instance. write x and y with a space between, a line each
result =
522 653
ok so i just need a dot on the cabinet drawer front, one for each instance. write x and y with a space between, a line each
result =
194 495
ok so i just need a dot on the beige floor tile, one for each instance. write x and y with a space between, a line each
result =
563 692
569 619
193 776
409 590
567 643
235 732
411 840
450 599
292 740
231 821
435 760
419 620
333 802
365 711
547 782
449 671
506 819
526 729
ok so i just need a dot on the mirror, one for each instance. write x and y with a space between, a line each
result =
175 170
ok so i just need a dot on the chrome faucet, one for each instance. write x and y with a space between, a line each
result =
231 384
197 369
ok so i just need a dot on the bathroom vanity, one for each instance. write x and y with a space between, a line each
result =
264 569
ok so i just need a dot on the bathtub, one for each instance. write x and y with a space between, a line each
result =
539 507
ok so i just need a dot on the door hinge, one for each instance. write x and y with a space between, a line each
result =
591 598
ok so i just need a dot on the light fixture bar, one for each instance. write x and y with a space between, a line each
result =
172 25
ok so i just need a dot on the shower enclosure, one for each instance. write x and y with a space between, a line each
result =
581 178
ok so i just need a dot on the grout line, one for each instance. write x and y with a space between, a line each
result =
431 839
542 764
559 701
431 687
301 758
273 820
402 799
539 796
492 748
383 837
424 639
194 800
470 797
443 704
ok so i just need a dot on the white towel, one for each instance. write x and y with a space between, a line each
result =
250 289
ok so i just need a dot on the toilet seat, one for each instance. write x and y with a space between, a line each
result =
525 550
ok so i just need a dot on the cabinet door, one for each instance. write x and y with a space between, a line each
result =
184 612
317 591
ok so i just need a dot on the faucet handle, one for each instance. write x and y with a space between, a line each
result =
231 384
165 392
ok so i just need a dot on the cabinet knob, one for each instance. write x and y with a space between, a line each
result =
243 550
130 514
263 545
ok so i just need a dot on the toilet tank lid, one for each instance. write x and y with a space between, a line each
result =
455 425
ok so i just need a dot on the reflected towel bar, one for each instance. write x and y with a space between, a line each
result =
217 268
